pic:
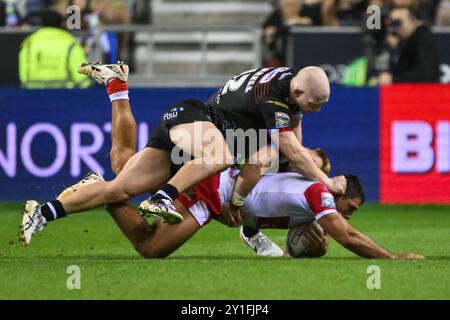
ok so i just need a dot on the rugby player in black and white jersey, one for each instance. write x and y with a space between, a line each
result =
278 201
266 98
272 99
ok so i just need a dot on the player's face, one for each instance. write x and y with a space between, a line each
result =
346 207
306 103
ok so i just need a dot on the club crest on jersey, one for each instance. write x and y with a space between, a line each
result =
282 120
327 200
269 76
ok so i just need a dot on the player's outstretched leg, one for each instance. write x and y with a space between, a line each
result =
138 178
33 221
91 177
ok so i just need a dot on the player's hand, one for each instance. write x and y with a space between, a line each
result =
316 235
337 185
408 256
232 215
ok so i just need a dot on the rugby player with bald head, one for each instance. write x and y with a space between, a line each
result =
272 99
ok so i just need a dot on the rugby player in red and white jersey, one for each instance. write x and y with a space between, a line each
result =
288 199
263 99
297 200
279 201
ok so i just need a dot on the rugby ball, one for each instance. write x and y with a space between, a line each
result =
299 246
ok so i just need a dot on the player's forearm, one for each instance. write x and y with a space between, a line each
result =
365 247
300 159
297 123
298 133
247 179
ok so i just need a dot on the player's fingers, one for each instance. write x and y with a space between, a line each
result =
413 256
231 221
239 220
317 230
344 184
312 236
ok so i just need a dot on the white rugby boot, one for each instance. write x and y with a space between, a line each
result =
32 221
91 177
262 245
161 208
103 73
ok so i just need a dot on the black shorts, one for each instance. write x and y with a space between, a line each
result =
186 111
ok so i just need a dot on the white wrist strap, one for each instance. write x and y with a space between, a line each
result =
237 199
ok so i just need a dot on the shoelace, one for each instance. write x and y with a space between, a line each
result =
162 204
265 244
31 222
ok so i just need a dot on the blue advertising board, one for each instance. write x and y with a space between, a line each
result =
50 139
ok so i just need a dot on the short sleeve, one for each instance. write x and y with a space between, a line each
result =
320 200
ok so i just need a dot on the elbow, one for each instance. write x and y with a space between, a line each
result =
151 253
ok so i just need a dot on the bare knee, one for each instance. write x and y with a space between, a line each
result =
115 193
119 158
151 253
213 168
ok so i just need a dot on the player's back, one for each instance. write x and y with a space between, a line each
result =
281 200
278 201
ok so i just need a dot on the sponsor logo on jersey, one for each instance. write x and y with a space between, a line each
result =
282 120
327 200
269 76
284 75
173 113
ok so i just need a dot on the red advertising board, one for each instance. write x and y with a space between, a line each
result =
415 144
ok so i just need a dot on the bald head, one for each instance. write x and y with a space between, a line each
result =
310 89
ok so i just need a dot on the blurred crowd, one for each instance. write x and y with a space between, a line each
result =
401 50
22 13
50 56
349 12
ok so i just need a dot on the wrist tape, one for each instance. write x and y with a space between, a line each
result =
237 200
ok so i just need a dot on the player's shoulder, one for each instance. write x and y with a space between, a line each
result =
319 198
316 187
276 83
273 75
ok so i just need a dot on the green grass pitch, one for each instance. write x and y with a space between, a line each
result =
215 264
